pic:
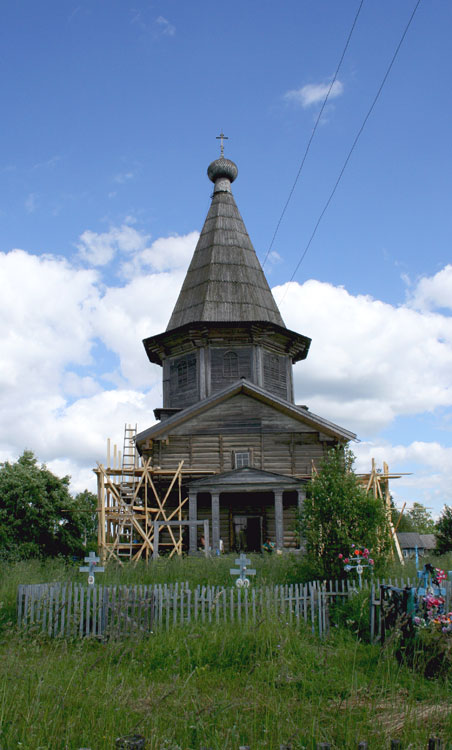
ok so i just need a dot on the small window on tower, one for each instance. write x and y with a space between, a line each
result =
241 459
182 374
230 365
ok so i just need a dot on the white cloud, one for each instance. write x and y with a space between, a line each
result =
425 470
126 315
166 27
52 390
434 292
313 93
100 248
369 361
136 254
165 254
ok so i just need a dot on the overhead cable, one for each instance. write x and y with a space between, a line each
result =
319 117
377 95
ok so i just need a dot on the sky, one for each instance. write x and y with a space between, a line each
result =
110 112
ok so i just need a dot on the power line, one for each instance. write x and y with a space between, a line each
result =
319 116
353 145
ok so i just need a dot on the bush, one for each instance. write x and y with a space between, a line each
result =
353 613
338 512
428 652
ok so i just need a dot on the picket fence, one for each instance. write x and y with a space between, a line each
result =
76 610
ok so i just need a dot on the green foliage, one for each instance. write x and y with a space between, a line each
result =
432 654
421 519
38 515
338 513
444 531
352 612
417 519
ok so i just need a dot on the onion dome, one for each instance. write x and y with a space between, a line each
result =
222 172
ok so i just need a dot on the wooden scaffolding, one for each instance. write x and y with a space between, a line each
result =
129 502
377 482
132 496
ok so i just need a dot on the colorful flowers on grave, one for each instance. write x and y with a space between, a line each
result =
439 576
358 553
431 612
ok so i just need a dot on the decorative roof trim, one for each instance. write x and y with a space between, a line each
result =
159 345
248 479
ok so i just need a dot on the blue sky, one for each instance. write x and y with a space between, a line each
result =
110 113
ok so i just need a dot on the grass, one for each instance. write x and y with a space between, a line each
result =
211 686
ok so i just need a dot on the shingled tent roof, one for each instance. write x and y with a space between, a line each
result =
225 281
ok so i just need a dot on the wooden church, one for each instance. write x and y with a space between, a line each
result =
228 400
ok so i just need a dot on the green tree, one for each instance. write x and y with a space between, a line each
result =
421 520
444 531
338 513
417 518
38 515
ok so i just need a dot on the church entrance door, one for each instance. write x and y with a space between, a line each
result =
247 533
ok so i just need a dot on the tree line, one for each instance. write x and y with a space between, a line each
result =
38 515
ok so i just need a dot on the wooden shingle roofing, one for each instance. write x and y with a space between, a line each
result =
225 281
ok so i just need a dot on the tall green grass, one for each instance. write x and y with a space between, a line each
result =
207 686
214 687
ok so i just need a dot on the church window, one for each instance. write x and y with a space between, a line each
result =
230 365
182 375
273 367
241 459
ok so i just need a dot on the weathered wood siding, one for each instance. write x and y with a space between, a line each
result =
275 374
225 370
181 381
276 442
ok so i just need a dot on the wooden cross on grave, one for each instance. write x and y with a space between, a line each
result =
222 137
243 572
92 561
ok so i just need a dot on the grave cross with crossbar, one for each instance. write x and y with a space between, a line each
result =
243 572
92 568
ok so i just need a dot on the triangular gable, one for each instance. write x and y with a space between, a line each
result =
247 476
180 422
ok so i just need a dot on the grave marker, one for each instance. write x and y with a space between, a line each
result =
92 568
242 572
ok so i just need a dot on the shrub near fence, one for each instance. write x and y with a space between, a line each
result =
76 610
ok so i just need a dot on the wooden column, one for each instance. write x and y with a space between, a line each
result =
279 519
155 553
192 516
215 521
301 498
101 516
202 373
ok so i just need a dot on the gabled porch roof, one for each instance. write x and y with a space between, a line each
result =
246 479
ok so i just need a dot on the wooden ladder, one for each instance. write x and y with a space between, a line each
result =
127 489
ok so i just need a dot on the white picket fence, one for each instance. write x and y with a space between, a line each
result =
74 610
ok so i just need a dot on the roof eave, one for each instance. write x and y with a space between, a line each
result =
159 345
